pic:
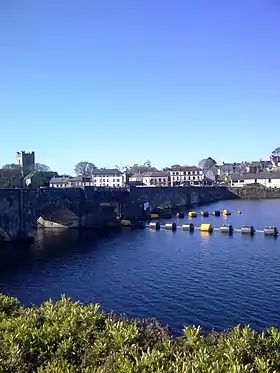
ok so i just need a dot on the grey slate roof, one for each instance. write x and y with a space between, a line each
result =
186 168
107 171
46 174
155 174
60 179
260 175
140 175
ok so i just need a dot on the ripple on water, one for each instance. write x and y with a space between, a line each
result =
180 278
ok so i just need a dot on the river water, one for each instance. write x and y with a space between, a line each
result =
179 278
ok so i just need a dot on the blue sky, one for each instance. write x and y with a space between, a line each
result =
119 82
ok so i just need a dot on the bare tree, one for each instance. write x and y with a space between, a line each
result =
42 167
84 168
276 152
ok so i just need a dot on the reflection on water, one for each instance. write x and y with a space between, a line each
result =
48 246
180 278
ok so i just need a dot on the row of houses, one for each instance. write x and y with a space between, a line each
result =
234 174
113 178
181 176
110 178
225 170
267 179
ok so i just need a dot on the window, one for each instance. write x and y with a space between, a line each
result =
189 172
178 178
269 180
185 173
117 180
256 180
113 180
193 177
241 181
177 173
159 179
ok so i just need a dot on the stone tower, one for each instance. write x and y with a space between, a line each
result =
26 161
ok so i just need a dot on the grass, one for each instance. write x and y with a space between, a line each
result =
66 336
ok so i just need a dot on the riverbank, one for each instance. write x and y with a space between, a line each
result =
255 192
68 337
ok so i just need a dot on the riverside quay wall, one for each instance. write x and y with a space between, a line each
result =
173 198
91 207
255 192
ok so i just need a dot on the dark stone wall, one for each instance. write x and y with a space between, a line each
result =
20 208
10 217
174 198
255 192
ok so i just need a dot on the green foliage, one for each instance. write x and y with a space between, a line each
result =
68 337
10 178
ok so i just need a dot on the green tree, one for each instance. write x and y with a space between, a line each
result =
10 178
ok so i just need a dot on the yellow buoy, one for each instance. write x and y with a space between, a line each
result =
226 212
206 228
125 223
192 214
153 216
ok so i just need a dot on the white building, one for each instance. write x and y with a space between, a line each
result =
70 182
111 178
266 179
189 175
151 178
156 178
137 178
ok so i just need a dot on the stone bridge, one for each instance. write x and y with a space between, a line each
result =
92 207
88 207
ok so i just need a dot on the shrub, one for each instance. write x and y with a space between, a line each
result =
69 337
